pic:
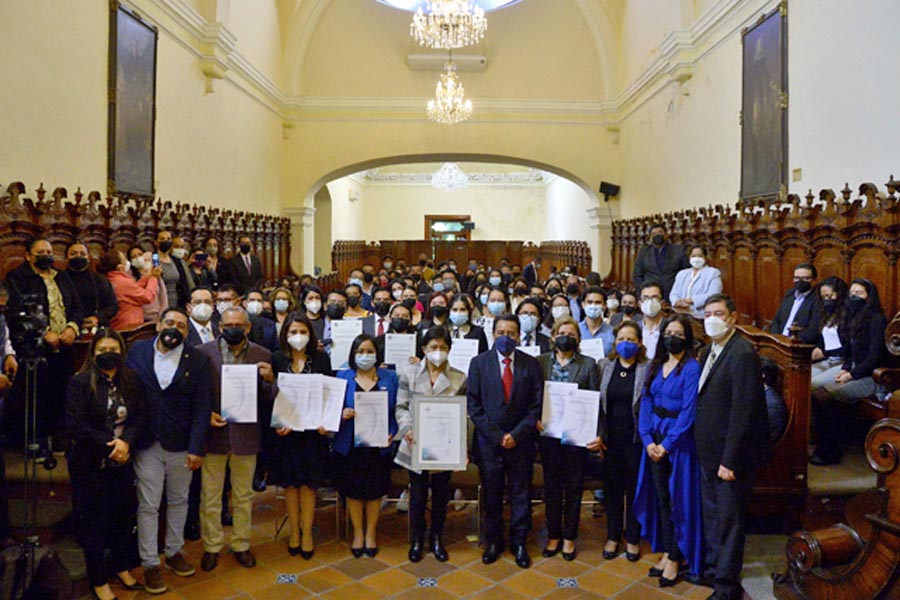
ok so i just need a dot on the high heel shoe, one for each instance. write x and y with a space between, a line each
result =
307 554
655 572
570 556
665 582
632 556
370 552
293 550
610 554
136 586
548 553
357 552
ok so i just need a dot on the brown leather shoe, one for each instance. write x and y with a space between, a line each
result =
209 561
245 559
153 581
178 565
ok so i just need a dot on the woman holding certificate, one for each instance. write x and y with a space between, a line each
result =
667 503
432 377
362 445
564 464
299 457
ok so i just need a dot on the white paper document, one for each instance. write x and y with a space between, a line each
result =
370 425
398 348
580 417
333 391
593 348
291 403
342 335
461 354
239 393
556 395
533 350
440 433
304 392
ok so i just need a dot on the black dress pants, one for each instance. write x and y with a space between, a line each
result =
419 483
724 508
499 468
622 462
661 472
563 485
105 507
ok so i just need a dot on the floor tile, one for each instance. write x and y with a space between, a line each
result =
463 583
498 571
390 582
603 583
531 583
426 594
214 589
557 567
498 592
322 580
428 567
359 568
352 591
282 592
251 580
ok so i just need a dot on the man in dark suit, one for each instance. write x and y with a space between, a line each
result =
800 306
232 445
531 314
532 271
245 267
203 324
659 261
172 442
505 390
731 432
262 331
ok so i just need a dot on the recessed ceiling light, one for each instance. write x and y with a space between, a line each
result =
412 5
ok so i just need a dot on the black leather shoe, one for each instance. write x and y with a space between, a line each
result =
654 572
245 559
227 519
209 561
665 582
307 554
632 556
293 550
370 552
611 554
522 558
698 580
548 553
416 550
437 547
357 552
570 556
491 554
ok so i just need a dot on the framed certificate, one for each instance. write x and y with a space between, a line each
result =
439 433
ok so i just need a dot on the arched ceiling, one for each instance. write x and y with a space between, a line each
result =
536 49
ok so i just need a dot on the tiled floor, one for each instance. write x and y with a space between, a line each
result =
333 574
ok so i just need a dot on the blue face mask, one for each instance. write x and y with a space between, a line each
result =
627 350
484 299
438 286
355 280
364 362
528 323
496 308
505 345
459 318
494 281
594 311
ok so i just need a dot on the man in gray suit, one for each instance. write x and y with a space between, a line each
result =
660 261
232 444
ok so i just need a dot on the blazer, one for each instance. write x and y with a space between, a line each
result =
415 380
540 340
96 295
616 319
731 426
645 267
24 282
246 280
606 368
387 381
493 418
178 416
708 282
240 438
263 333
192 339
530 274
807 317
86 417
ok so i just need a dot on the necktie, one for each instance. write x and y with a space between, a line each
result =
708 366
507 379
528 340
247 262
456 332
380 327
204 334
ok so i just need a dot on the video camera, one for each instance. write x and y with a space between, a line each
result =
27 326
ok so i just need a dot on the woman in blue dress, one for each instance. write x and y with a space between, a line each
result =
667 503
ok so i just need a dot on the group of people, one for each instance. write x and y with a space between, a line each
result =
682 431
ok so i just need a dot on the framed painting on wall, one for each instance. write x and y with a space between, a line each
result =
132 103
764 115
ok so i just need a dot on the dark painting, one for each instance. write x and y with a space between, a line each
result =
132 103
764 109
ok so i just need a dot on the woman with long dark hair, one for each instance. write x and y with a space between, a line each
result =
667 503
103 413
829 350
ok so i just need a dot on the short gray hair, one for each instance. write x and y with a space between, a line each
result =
238 309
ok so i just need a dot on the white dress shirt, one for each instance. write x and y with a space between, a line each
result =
166 364
205 331
795 308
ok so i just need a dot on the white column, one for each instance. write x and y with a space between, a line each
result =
303 239
602 217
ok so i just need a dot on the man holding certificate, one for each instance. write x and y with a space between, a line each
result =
242 394
505 390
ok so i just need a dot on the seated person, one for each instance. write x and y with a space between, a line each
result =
799 306
776 408
829 351
694 285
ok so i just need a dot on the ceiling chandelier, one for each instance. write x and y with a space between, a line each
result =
450 178
449 105
449 24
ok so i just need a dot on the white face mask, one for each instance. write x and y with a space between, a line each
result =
127 268
437 357
254 307
138 263
651 307
298 341
715 327
397 294
202 312
314 306
697 262
612 304
559 312
179 252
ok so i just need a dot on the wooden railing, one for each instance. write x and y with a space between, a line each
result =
348 255
121 222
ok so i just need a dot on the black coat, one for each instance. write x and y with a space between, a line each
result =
731 426
646 268
24 282
807 317
96 294
864 351
245 280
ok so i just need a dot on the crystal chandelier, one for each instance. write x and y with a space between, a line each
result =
450 178
449 105
449 24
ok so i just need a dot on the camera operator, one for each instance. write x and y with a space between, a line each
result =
36 286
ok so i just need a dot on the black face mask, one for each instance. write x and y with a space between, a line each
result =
572 289
552 291
43 262
439 312
674 344
245 248
233 335
416 277
855 303
368 277
659 240
399 324
382 308
829 304
79 263
507 277
802 286
165 246
267 314
422 263
334 311
566 343
520 291
353 301
171 337
108 360
628 309
409 303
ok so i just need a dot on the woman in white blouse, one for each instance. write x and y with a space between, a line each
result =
693 286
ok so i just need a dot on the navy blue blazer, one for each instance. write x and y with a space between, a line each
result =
491 415
387 382
178 416
263 333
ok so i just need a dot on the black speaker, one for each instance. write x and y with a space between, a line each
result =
609 189
470 225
